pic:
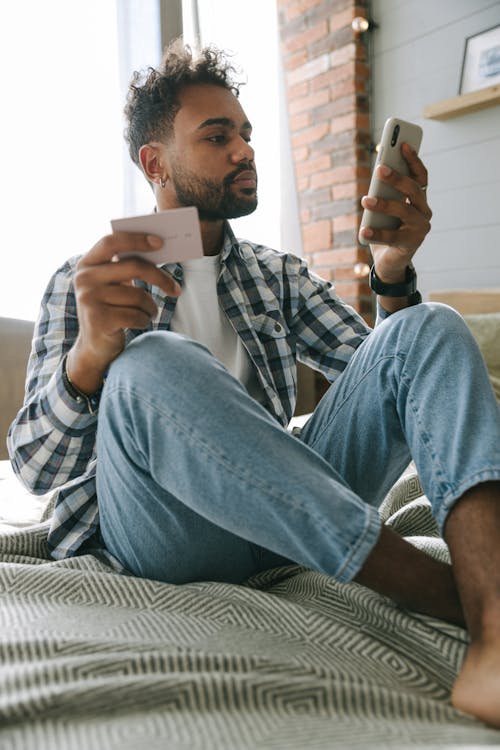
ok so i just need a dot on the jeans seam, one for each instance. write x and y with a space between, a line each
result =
349 394
221 460
425 440
371 515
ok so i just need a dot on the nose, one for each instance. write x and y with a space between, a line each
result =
243 151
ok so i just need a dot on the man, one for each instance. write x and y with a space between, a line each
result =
157 397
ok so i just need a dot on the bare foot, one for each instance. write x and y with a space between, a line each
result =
477 688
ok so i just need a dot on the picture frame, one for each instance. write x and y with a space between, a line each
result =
481 61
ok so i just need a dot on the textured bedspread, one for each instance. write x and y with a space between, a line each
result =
93 659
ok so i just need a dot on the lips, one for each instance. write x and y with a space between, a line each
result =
247 179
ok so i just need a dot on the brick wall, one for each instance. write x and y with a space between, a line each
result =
327 80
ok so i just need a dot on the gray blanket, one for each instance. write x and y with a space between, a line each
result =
93 659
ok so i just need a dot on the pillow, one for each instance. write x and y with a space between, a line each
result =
18 507
486 330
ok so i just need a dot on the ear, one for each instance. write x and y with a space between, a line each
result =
153 162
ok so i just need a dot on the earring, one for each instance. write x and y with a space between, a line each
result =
163 183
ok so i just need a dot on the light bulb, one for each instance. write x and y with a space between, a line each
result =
360 24
361 270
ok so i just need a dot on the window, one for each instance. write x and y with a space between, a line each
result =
250 33
66 171
61 132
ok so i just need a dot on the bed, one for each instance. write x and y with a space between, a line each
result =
91 658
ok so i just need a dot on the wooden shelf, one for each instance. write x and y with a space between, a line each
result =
461 105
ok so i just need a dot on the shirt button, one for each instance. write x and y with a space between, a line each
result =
277 327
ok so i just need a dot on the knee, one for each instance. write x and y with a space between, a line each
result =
434 321
436 330
162 356
433 314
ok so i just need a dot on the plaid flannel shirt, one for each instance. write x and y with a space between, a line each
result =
281 311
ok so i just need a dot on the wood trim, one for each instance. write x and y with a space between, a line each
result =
469 301
464 103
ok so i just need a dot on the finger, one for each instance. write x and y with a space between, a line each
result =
124 271
405 238
390 237
124 296
111 320
121 242
407 186
404 211
416 166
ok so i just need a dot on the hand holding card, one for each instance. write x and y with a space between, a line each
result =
178 227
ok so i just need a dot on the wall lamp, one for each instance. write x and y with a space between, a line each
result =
360 25
361 270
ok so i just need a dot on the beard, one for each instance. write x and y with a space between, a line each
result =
214 200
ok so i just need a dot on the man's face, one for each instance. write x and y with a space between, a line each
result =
211 161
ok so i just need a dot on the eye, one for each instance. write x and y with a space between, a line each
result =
217 139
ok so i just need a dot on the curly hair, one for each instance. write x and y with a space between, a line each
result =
153 95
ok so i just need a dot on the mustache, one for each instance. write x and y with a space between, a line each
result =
233 175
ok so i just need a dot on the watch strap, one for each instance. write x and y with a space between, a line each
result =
406 288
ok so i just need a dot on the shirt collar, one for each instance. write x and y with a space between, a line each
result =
230 243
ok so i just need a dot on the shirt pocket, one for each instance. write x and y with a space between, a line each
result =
270 326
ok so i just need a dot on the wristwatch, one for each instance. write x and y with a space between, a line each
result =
406 288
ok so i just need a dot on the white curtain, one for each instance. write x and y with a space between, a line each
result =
65 170
63 174
249 32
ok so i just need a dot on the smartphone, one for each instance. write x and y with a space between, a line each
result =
395 133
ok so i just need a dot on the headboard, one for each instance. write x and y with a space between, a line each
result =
469 301
481 311
15 344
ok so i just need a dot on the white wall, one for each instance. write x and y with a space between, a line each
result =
417 53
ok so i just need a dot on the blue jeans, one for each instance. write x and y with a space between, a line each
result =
196 481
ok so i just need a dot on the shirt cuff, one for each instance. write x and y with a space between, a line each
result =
91 401
382 313
66 410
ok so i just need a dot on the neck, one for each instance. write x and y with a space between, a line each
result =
212 236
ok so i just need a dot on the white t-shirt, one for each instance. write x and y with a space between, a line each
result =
199 316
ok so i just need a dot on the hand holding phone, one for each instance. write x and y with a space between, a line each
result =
395 133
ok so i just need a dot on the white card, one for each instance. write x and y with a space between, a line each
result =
179 228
